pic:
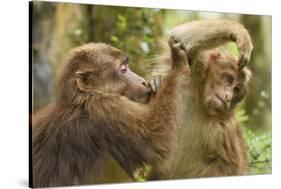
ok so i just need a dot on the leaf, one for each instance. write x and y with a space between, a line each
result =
114 39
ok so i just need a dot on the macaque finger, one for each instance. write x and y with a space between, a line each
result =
242 61
152 85
155 83
158 82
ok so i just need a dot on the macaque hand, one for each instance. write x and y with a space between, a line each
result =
178 53
244 55
155 83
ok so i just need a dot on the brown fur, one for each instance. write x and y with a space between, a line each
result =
90 121
209 140
210 144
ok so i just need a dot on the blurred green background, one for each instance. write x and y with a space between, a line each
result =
58 27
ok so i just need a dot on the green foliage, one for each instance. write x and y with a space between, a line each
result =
232 48
135 31
242 116
141 173
259 152
259 147
138 28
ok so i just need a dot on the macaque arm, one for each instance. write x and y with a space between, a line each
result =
207 34
143 133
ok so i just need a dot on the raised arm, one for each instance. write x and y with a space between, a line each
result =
206 34
144 133
101 109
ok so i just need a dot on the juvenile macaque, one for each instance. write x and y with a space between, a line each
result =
101 112
209 140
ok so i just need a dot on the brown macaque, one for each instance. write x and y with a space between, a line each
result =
209 140
104 111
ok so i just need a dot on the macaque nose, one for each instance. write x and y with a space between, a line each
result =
143 82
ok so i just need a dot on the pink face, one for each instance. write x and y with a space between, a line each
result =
137 88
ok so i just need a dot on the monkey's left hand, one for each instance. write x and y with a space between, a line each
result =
155 83
245 49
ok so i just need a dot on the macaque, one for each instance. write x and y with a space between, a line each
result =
103 111
209 139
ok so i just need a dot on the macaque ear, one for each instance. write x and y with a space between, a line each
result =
83 80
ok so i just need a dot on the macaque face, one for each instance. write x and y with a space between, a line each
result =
106 70
225 85
135 87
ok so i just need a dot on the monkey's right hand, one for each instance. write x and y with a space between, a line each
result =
178 53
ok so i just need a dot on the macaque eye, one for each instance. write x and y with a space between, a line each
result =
236 89
229 78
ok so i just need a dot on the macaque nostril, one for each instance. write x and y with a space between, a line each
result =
144 83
